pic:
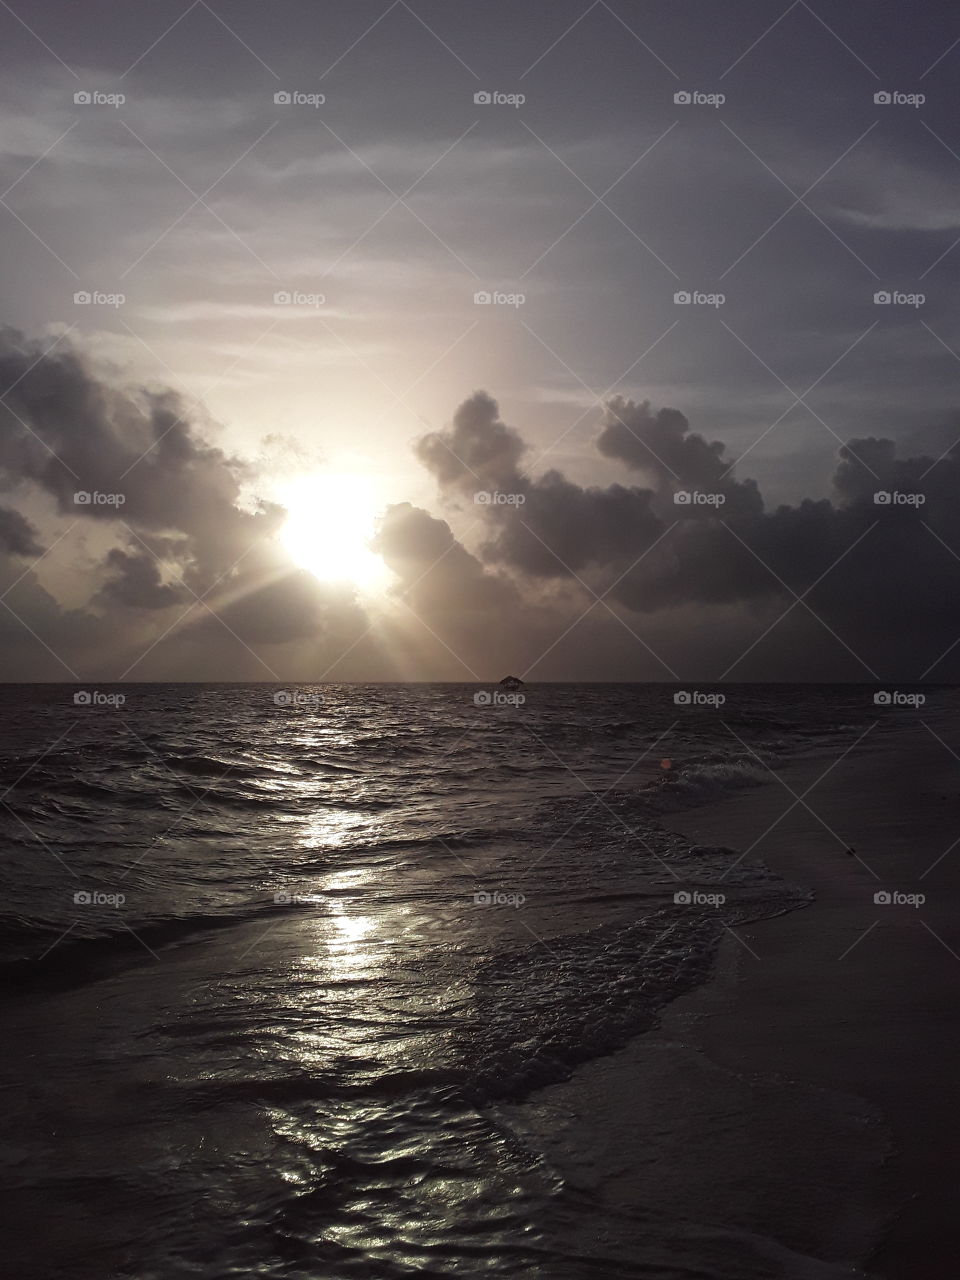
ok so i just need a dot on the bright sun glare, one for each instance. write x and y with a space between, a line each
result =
330 521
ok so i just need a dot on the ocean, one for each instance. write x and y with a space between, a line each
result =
277 962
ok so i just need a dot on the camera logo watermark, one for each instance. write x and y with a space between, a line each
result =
294 98
296 899
486 298
95 298
294 698
894 698
894 898
894 498
97 98
694 298
694 98
894 298
484 498
694 898
695 498
497 899
297 298
93 698
83 498
695 698
497 698
893 98
93 898
493 98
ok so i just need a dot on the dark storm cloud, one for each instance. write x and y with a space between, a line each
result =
477 452
662 446
139 455
553 527
878 558
435 572
135 580
548 527
143 465
17 535
473 621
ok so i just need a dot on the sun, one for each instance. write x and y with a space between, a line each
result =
331 518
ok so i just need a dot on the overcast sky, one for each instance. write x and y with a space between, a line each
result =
781 166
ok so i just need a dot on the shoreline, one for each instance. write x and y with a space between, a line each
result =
818 1055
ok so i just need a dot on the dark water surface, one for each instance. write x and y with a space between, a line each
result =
269 965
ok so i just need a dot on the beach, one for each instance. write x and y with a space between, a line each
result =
801 1095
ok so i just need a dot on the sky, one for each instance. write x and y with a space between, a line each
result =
425 341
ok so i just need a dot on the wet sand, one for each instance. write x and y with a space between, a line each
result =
804 1094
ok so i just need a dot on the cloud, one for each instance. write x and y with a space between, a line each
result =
662 446
478 452
134 579
875 564
550 576
17 535
433 569
547 527
466 620
171 500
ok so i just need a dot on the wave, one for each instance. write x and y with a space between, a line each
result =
207 766
700 782
70 962
545 1009
81 958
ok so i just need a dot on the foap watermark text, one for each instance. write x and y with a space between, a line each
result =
94 698
894 698
483 898
497 698
696 698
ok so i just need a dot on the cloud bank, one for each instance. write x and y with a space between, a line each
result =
675 569
875 563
